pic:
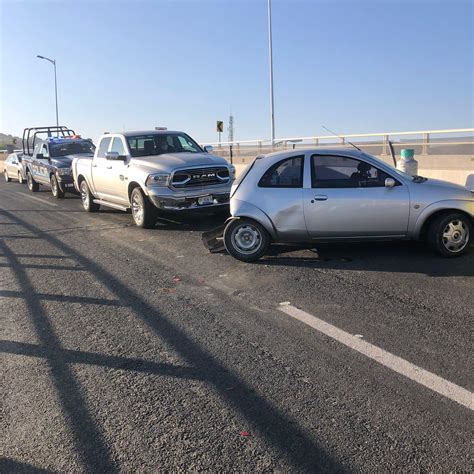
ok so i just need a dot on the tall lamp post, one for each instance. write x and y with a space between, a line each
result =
270 59
53 62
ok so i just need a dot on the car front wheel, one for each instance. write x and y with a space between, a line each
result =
246 240
33 186
5 174
450 234
58 193
143 211
20 178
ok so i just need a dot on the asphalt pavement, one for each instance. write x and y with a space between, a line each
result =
129 350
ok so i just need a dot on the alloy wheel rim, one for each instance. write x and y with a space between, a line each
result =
29 180
137 209
455 236
20 179
54 186
84 195
247 239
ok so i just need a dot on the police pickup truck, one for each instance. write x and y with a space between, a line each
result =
47 156
153 171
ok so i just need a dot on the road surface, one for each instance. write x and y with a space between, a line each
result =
125 349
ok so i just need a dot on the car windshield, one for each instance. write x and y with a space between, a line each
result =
160 143
64 148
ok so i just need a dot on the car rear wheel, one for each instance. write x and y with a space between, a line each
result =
87 198
58 193
20 178
33 186
450 235
5 174
246 240
143 212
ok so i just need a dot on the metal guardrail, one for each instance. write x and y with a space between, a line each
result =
458 141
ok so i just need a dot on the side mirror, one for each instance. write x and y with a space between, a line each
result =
208 148
114 156
389 182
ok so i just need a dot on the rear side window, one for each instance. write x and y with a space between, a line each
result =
287 173
103 147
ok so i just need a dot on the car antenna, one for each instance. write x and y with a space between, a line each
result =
392 152
338 136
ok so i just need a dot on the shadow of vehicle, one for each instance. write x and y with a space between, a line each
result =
396 256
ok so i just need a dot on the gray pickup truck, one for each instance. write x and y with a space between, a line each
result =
151 171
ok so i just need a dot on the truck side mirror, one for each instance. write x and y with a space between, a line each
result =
389 182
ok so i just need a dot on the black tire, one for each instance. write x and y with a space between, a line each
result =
143 212
5 175
87 198
33 186
58 193
20 178
450 235
241 233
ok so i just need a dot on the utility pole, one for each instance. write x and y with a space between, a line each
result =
53 62
270 60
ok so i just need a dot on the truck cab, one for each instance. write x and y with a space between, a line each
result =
47 160
151 171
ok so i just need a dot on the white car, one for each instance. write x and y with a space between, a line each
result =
13 169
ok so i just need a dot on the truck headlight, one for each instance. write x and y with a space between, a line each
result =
63 171
158 180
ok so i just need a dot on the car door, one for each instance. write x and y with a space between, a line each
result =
280 197
98 168
115 175
10 166
348 198
43 164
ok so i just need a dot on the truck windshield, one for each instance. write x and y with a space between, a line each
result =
69 148
160 143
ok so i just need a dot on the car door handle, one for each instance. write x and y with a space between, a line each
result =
320 197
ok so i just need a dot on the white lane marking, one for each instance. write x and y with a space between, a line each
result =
37 199
417 374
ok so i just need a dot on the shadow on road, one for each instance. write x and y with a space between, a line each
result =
291 443
400 256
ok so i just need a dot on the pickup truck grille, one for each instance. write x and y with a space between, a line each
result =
200 177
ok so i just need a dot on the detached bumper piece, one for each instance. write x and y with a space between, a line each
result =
190 202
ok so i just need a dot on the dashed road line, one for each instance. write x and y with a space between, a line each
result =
397 364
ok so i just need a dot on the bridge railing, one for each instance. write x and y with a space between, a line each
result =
425 142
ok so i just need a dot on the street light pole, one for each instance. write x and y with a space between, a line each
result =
270 59
53 62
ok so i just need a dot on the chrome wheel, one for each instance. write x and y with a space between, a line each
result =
455 236
137 209
20 178
29 181
54 186
85 195
247 239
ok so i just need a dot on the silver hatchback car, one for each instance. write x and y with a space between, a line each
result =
342 194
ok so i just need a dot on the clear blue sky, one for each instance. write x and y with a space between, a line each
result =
356 66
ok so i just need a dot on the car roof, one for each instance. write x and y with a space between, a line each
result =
144 132
320 150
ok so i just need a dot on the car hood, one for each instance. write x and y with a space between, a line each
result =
442 189
172 161
66 161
